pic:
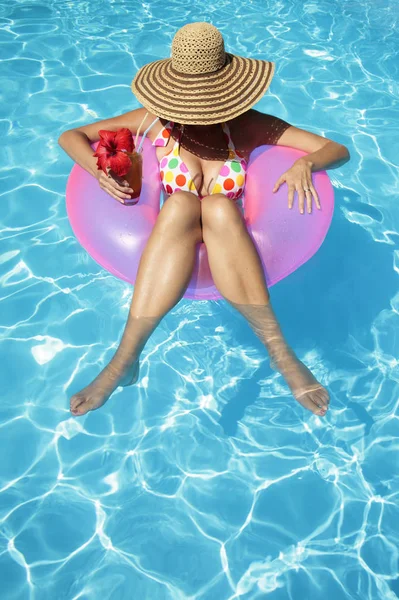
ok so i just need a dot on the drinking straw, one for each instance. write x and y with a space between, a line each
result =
139 149
138 130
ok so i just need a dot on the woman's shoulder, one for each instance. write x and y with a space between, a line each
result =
254 128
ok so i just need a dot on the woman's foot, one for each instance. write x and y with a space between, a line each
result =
303 384
97 393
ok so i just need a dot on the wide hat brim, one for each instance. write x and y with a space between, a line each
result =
202 99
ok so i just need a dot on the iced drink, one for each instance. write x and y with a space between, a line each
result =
134 177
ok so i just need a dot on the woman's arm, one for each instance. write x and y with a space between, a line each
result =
323 153
76 142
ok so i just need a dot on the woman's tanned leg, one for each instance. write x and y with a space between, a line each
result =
238 274
164 272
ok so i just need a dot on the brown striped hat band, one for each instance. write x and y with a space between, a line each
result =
201 84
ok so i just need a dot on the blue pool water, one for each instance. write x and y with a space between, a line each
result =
206 480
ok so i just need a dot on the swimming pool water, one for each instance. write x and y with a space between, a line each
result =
206 480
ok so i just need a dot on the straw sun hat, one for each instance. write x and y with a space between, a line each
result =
201 84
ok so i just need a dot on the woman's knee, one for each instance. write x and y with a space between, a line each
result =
182 210
219 212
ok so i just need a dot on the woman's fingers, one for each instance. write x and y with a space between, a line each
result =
119 198
316 197
118 186
291 192
304 195
310 191
119 181
301 198
116 193
115 189
299 180
308 200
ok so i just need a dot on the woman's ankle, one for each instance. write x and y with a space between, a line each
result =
122 360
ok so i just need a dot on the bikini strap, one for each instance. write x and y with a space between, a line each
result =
229 140
179 137
139 148
161 139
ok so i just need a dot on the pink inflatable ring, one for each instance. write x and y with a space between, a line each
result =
115 235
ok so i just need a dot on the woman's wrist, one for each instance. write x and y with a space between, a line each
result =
331 156
77 145
305 160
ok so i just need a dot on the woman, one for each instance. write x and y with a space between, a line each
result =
204 134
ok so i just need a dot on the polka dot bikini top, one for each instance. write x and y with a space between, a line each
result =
175 175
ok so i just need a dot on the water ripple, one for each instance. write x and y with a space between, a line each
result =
206 480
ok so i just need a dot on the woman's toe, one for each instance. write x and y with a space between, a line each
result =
78 404
323 397
322 408
317 405
75 402
319 410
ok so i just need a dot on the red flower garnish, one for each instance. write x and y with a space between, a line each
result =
111 151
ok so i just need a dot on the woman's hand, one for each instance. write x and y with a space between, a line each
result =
116 187
299 178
